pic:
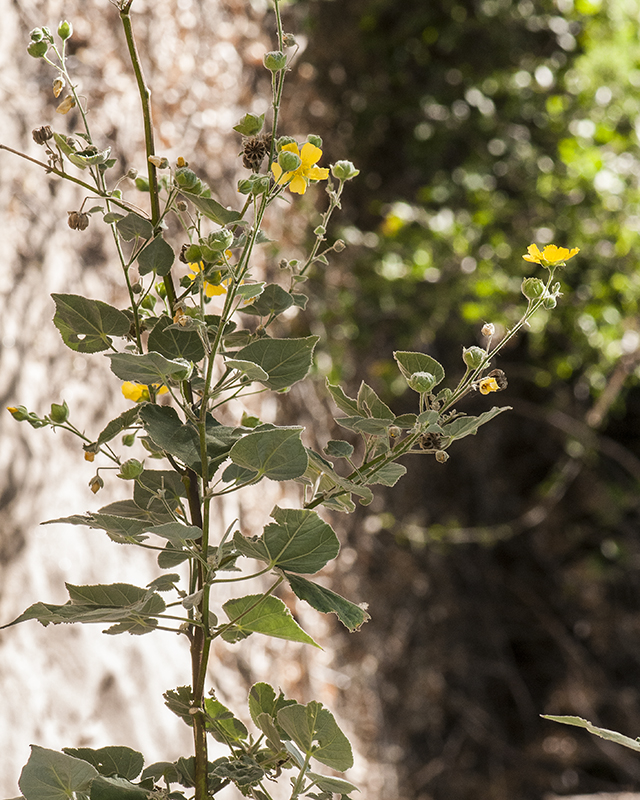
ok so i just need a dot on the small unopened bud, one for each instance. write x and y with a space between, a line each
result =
65 30
473 357
66 105
58 86
89 455
219 240
42 135
394 431
339 245
36 35
180 162
136 287
550 302
283 263
78 220
37 49
128 439
289 161
532 288
282 140
488 329
289 40
131 469
275 60
160 162
344 170
19 413
315 139
180 318
96 483
422 382
132 173
441 456
181 205
59 413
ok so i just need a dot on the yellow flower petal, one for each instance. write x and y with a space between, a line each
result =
298 184
552 254
135 391
487 385
310 155
533 254
318 174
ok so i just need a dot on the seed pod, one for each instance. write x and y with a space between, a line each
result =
254 149
532 288
42 135
78 220
339 245
275 60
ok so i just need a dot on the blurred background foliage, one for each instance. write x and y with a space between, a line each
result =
503 584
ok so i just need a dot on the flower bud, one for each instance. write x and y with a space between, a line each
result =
181 205
36 35
42 135
422 382
394 431
136 287
549 302
65 30
78 220
532 288
89 455
219 240
282 140
344 170
37 49
289 161
59 413
314 139
473 357
96 483
131 469
180 162
339 245
132 173
289 40
128 439
186 178
19 413
441 456
275 60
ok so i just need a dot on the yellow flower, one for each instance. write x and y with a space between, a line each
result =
138 392
307 171
487 385
210 289
550 255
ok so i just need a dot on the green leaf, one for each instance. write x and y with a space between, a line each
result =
286 361
87 326
250 124
330 480
277 454
121 761
221 722
273 300
176 533
243 771
299 541
134 225
268 616
148 368
333 785
179 701
49 775
372 405
316 733
126 420
374 427
603 733
328 602
175 343
211 209
157 256
116 789
168 432
337 448
248 368
346 404
121 529
249 290
164 583
262 700
418 362
155 482
388 475
465 426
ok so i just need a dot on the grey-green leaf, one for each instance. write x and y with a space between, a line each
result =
266 615
328 602
286 361
175 343
603 733
121 761
346 404
273 300
418 362
116 789
315 731
157 256
465 426
298 541
87 326
49 775
212 209
134 225
277 453
148 368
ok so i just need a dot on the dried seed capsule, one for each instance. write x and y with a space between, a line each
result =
42 135
254 149
500 378
78 220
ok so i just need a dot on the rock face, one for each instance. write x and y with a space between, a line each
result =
73 686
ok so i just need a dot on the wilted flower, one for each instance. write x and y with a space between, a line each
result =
488 385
